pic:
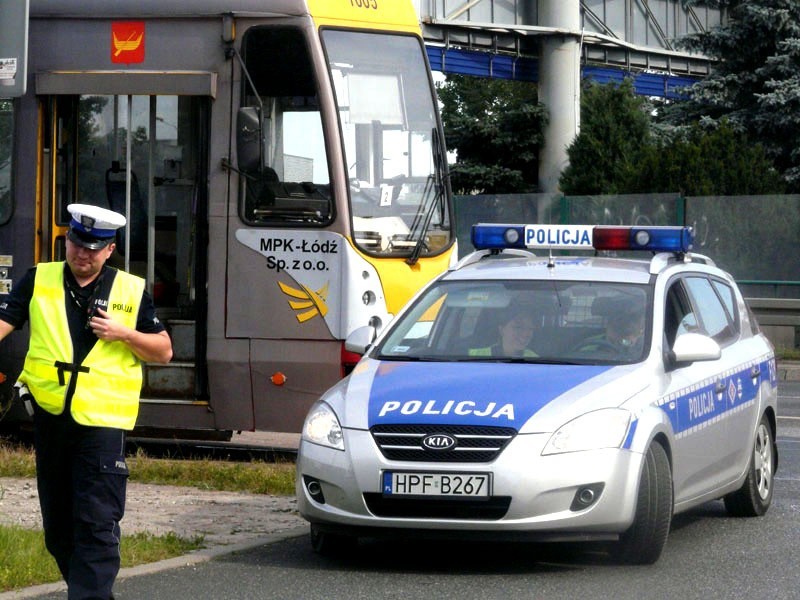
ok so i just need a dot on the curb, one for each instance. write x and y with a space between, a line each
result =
187 560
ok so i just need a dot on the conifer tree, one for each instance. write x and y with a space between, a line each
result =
755 82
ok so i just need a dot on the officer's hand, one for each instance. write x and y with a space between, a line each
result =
105 328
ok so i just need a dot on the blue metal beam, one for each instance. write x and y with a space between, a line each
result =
482 64
502 66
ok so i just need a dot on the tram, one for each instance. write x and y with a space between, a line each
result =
282 168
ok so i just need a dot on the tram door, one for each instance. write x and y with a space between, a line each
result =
142 156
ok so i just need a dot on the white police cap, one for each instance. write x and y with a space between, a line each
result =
93 227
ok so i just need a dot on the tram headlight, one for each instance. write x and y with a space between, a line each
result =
322 427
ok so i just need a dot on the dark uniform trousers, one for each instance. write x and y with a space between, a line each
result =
82 476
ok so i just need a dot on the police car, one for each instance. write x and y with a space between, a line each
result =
525 394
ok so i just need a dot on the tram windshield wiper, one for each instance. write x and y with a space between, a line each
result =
434 187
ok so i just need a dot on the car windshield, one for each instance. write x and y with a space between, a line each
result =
524 321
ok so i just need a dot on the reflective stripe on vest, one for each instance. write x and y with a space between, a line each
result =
109 379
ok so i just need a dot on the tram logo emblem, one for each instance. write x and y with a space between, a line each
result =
308 303
127 42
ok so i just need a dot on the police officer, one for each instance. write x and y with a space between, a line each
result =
515 334
91 326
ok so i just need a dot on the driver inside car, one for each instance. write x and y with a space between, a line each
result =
622 339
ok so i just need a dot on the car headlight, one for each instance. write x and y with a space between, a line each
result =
322 427
604 428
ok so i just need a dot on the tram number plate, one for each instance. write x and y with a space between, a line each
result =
474 485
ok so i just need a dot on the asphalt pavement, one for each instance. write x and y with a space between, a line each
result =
176 567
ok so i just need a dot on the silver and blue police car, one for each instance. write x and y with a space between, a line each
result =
524 394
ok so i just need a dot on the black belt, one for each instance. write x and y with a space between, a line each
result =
71 367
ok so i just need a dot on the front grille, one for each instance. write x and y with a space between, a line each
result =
474 444
490 509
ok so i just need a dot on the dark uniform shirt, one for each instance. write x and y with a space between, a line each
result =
15 310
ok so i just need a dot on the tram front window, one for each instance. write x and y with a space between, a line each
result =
394 156
6 131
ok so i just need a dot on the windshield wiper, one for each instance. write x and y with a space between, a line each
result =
434 180
528 360
410 358
552 361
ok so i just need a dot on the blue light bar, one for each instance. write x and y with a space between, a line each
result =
489 236
582 237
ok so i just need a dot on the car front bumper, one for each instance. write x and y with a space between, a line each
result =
539 492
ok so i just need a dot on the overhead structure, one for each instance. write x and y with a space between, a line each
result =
557 42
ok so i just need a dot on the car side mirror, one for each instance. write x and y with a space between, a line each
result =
693 347
360 339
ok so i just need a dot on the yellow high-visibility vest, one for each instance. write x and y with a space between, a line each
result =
110 377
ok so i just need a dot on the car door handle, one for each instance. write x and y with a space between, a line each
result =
720 387
755 372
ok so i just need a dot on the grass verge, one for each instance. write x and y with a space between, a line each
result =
253 478
787 353
24 560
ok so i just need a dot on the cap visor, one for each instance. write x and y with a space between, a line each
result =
90 243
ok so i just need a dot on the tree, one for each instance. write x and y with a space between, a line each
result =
621 151
719 162
496 128
755 82
615 128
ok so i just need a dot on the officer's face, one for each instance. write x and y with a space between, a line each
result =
84 263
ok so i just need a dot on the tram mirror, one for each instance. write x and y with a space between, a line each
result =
249 139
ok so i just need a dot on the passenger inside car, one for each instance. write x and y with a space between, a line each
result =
514 335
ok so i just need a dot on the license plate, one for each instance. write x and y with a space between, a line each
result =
473 485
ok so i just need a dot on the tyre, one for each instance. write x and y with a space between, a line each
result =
332 545
755 495
643 542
